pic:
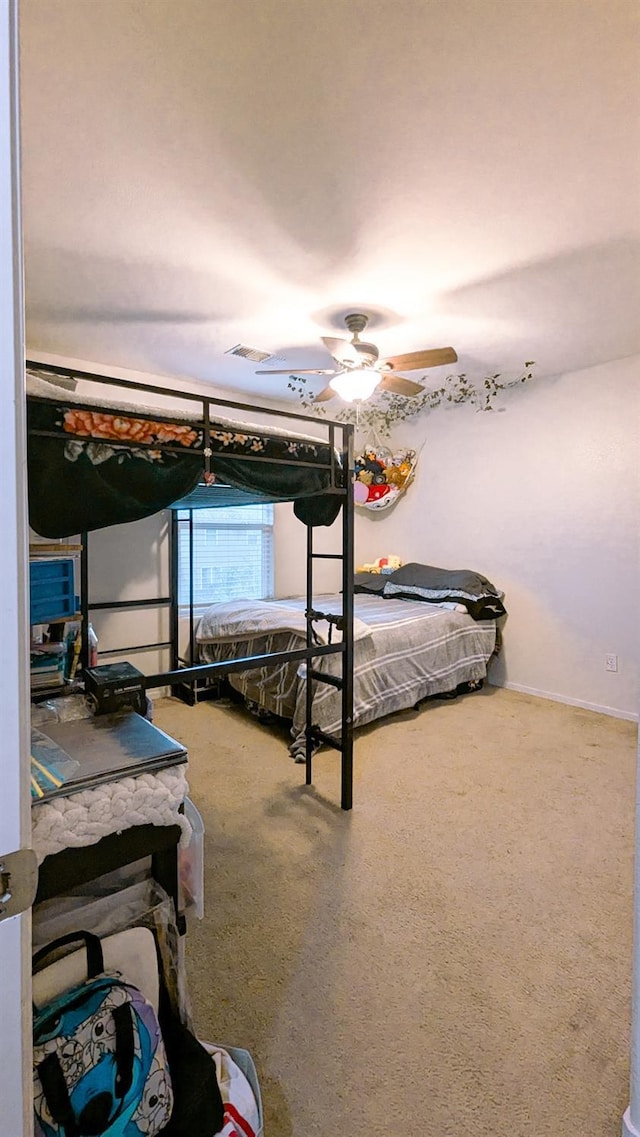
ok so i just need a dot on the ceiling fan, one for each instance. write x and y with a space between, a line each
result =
360 372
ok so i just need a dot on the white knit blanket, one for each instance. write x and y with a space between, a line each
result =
85 817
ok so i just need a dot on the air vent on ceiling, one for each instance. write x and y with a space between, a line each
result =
252 353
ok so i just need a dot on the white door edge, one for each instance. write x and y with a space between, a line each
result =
16 1112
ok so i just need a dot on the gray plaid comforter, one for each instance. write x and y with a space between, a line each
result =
413 650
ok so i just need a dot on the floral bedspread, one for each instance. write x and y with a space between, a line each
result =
91 467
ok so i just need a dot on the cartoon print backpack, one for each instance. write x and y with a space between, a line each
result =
99 1061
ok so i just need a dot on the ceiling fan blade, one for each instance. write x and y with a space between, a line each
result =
298 371
324 395
397 385
341 350
416 360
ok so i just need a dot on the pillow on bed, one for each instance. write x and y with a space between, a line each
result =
482 600
369 582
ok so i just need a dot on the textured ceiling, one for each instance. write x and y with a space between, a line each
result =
203 173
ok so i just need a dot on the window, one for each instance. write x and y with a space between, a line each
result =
232 553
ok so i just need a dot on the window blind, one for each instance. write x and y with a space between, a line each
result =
232 553
219 496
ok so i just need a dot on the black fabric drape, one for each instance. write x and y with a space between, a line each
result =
82 479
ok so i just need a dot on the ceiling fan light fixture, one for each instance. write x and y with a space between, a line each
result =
358 383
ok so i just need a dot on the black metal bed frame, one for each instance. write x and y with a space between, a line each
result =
340 463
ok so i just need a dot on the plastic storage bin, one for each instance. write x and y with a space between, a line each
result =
245 1064
243 1059
52 591
191 863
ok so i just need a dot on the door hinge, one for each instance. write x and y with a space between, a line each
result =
18 882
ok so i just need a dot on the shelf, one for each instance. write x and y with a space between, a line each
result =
54 549
70 687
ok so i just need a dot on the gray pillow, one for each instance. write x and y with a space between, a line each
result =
370 582
415 581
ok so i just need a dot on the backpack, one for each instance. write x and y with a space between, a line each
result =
99 1061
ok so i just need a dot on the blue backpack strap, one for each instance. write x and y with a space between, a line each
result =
97 1113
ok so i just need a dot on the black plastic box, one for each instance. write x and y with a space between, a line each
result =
114 687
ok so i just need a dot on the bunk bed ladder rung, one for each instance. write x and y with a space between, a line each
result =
320 677
327 556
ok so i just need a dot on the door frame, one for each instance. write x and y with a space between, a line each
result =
16 1077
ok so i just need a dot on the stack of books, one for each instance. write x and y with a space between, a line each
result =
47 665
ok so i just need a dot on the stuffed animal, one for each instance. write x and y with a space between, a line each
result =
381 477
389 564
382 565
394 476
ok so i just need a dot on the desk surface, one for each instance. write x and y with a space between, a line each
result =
107 747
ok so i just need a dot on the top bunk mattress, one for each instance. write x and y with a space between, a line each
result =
98 462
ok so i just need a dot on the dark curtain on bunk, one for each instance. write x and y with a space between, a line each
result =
76 487
283 481
321 509
103 469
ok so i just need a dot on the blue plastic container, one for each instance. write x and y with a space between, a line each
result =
52 594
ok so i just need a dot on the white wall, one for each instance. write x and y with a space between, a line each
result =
291 552
130 562
542 499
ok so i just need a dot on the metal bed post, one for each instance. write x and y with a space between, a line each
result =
308 734
347 615
192 641
344 683
84 601
173 589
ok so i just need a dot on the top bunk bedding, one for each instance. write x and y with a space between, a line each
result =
95 462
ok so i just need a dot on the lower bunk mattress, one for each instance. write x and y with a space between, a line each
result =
405 651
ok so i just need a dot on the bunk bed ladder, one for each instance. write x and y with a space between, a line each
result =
344 682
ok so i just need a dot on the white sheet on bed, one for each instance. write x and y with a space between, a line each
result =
38 386
244 619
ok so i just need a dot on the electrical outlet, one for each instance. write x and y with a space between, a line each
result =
611 663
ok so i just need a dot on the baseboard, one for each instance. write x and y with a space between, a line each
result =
613 711
628 1128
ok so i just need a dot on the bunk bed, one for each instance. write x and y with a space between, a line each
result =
99 460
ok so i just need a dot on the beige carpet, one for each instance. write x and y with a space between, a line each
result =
452 957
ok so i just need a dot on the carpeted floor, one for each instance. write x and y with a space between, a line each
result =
452 957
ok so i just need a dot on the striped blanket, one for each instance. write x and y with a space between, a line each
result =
413 650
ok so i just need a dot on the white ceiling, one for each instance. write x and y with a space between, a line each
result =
207 172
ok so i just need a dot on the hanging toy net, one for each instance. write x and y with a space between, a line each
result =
381 475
